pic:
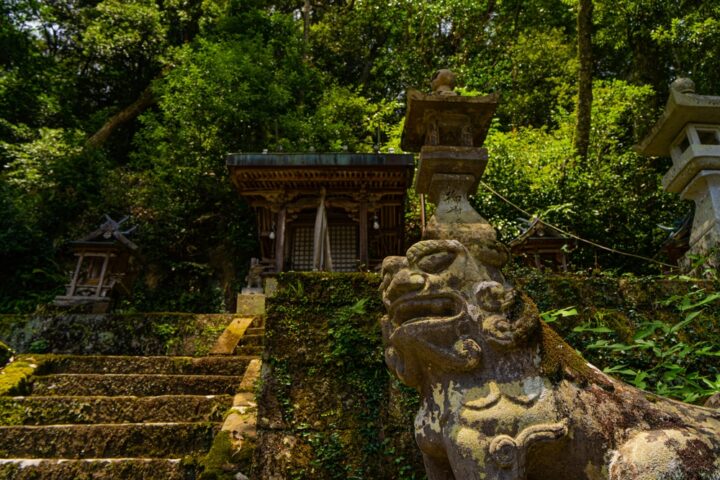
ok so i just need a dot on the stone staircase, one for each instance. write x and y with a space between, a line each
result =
252 343
84 417
115 417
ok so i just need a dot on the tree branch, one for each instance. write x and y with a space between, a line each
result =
144 101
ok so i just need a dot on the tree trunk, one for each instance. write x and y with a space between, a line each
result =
306 28
585 96
145 100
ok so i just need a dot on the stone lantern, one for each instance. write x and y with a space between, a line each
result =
689 132
448 130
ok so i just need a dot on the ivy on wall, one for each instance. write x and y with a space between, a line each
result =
326 386
328 409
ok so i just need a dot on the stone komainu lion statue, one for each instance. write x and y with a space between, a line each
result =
503 397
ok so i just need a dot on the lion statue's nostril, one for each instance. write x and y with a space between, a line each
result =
404 282
390 266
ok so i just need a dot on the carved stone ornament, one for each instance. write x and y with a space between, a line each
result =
503 397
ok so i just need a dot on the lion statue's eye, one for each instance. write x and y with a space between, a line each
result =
436 262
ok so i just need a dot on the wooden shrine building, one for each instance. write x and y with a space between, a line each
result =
340 212
542 246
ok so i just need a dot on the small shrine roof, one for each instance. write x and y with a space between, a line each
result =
108 234
538 231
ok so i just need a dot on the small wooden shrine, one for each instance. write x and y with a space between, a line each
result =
340 212
103 261
542 246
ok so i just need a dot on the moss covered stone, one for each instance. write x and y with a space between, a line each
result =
329 409
114 334
218 463
15 378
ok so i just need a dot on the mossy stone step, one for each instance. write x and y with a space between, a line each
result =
258 340
106 440
85 410
112 384
127 364
253 350
96 468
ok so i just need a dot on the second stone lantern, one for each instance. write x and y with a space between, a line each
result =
448 131
689 133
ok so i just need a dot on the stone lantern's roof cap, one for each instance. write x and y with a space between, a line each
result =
683 106
480 109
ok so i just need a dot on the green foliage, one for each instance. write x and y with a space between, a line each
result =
241 75
663 341
615 198
329 456
665 357
552 316
124 37
348 342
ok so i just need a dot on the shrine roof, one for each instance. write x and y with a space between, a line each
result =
108 235
258 172
539 232
291 160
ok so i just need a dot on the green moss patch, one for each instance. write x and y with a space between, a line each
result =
560 360
218 463
114 334
15 377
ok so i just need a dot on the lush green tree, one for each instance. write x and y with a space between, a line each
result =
118 107
613 198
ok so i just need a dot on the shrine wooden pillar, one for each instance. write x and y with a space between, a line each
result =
280 240
74 280
106 260
363 221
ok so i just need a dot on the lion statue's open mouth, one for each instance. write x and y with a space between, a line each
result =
426 308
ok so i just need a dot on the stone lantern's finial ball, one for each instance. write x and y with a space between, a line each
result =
443 82
683 85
